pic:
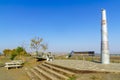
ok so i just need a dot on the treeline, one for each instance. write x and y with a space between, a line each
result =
12 53
36 44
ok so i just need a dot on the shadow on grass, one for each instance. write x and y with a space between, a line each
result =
96 61
40 59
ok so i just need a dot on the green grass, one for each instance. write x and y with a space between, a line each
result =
72 78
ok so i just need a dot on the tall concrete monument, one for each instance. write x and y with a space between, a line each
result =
104 40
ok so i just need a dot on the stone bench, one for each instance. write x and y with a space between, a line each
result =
12 64
20 62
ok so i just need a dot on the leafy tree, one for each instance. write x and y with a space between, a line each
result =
20 51
10 53
7 52
15 52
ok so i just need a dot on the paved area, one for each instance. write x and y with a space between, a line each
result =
87 65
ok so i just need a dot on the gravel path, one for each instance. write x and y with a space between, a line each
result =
87 65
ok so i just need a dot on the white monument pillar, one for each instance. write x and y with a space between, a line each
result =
104 40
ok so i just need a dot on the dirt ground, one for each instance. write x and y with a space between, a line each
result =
13 74
20 73
17 74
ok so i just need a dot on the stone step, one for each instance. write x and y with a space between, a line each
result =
31 75
59 69
38 76
48 76
76 71
54 73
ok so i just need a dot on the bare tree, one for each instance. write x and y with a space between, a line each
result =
36 43
44 46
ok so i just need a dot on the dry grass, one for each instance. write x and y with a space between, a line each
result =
16 74
113 59
3 59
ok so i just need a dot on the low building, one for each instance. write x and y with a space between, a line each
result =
84 53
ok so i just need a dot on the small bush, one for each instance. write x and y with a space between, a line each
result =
94 77
72 78
13 55
2 64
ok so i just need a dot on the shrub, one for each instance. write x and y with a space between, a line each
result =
72 78
13 55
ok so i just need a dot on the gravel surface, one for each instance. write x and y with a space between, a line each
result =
87 65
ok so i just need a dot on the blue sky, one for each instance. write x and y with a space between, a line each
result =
64 25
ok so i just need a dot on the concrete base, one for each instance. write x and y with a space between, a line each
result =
105 59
